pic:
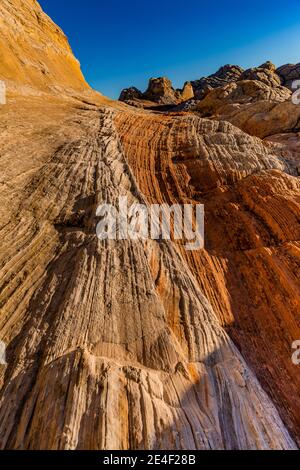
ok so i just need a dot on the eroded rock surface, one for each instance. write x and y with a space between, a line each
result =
251 195
229 98
265 73
160 90
226 74
131 93
127 322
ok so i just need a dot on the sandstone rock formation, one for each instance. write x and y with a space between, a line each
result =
33 50
160 91
111 344
265 73
187 93
256 103
288 73
231 96
249 271
252 106
226 74
131 93
142 344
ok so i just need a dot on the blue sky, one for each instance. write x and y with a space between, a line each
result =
122 43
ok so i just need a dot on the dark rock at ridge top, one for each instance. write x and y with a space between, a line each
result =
160 91
131 93
226 74
265 73
288 73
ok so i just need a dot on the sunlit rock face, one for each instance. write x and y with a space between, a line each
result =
142 344
33 50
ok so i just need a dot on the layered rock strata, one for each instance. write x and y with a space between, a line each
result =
112 344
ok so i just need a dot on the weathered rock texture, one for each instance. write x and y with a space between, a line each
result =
131 93
239 93
249 270
160 90
253 106
265 73
141 344
226 74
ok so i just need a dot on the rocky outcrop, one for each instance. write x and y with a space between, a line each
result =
253 106
250 190
187 93
265 73
226 74
265 119
160 91
115 345
260 84
288 73
131 93
141 344
229 97
266 83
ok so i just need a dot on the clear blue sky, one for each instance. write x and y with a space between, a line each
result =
124 42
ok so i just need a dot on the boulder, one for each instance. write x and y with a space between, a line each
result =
238 93
265 73
288 73
131 93
160 90
187 93
253 106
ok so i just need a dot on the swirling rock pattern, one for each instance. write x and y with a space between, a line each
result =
249 269
113 344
